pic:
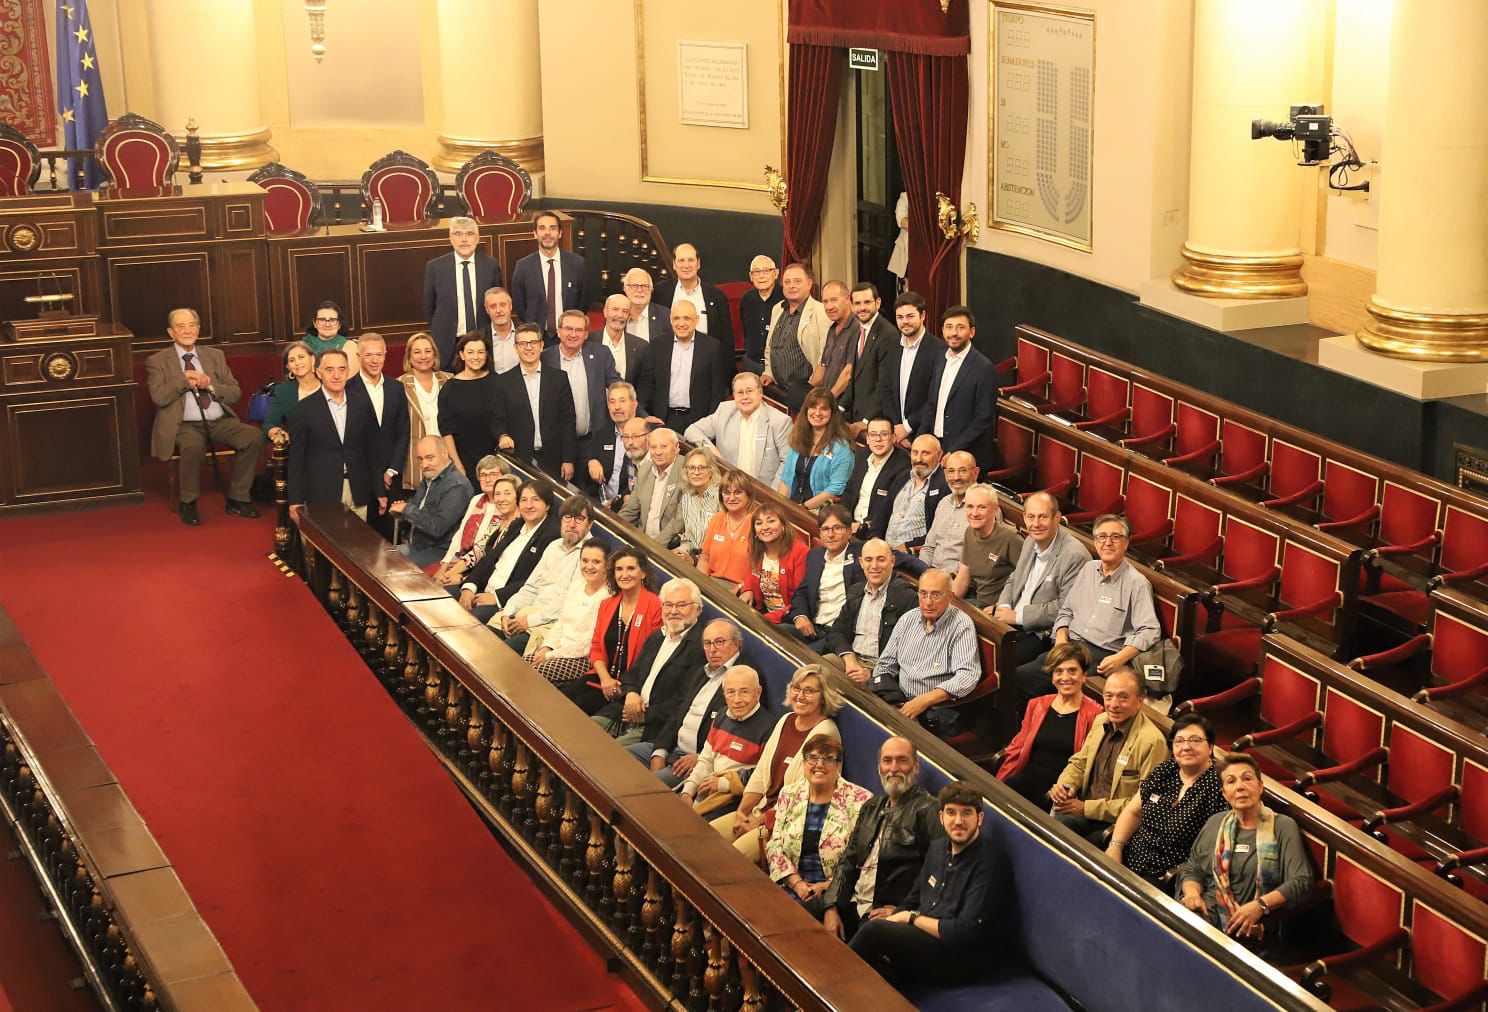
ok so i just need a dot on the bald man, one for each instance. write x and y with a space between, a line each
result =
943 540
931 660
632 354
912 498
755 307
437 505
714 317
692 372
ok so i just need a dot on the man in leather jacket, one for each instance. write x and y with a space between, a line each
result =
888 844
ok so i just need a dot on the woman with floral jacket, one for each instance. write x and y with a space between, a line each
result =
814 818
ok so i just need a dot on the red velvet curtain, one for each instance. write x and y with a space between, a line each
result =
930 95
897 26
815 81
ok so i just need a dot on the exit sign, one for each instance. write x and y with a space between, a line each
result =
862 59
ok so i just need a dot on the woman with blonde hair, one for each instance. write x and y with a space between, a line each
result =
724 553
421 381
695 507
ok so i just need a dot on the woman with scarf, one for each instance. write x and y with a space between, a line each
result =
1246 863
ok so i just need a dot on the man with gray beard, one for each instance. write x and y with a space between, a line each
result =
888 844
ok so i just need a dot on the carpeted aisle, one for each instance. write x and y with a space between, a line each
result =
337 864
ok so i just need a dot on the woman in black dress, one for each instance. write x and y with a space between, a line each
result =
465 404
1054 727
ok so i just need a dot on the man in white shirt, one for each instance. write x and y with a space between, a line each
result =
604 453
647 320
503 570
390 405
907 369
503 331
745 433
589 369
548 281
632 354
944 539
658 485
541 597
451 286
874 469
831 571
690 712
660 668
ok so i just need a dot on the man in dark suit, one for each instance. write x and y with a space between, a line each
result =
651 683
335 445
860 643
545 283
589 368
533 416
192 388
389 403
685 720
755 307
907 368
453 287
831 571
875 468
606 461
961 410
860 402
504 569
647 320
714 317
909 507
632 355
692 373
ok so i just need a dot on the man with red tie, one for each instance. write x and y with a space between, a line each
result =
873 333
549 281
193 390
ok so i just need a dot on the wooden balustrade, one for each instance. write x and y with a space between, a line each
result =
612 243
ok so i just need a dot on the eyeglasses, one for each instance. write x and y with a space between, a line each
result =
529 342
1109 539
637 285
801 690
830 529
820 760
697 468
934 595
676 604
762 270
328 319
582 518
717 643
1190 741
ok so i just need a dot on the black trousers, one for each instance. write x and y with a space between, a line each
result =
905 955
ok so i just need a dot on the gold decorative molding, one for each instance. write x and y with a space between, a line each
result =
234 152
954 225
454 152
1425 337
1223 276
776 187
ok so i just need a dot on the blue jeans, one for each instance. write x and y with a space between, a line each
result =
642 751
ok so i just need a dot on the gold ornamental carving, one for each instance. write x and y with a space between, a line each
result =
234 152
1425 337
954 224
1223 276
776 187
59 366
24 239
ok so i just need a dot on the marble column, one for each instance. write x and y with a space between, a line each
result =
491 82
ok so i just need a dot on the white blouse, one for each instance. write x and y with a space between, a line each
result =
573 634
428 406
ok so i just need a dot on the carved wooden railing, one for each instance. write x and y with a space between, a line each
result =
612 243
689 920
117 900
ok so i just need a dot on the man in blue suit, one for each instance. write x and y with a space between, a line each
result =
831 571
545 283
453 289
590 369
961 410
390 404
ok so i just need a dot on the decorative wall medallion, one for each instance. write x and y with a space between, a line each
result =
24 239
59 366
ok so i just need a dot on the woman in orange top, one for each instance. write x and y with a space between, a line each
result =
624 621
777 563
725 548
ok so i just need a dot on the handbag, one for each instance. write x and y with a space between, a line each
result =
258 404
1161 667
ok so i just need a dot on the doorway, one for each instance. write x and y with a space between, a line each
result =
879 182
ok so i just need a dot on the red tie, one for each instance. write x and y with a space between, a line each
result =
862 340
552 299
203 399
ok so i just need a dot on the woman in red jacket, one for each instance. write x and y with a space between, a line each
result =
624 621
1054 727
777 563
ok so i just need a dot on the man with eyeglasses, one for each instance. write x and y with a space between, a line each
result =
875 469
605 454
1109 607
745 433
646 320
1122 747
831 571
755 307
691 372
589 368
677 727
660 668
451 284
872 610
947 533
658 485
632 354
931 660
734 745
541 598
533 416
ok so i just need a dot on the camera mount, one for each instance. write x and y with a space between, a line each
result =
1315 139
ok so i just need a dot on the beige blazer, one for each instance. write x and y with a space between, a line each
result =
168 388
812 331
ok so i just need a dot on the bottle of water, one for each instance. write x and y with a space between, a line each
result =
377 214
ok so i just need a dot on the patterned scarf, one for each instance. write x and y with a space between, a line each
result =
1268 857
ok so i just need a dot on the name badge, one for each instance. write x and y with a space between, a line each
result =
880 491
719 537
932 882
1104 599
992 557
1155 798
1242 848
736 746
1121 760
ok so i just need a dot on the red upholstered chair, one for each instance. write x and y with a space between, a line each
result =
1033 372
292 203
404 183
1149 512
1370 912
1015 442
1196 439
1447 958
1242 456
1197 540
1151 421
136 153
1066 385
734 291
1106 405
1296 475
1350 498
1098 490
20 162
493 187
1054 467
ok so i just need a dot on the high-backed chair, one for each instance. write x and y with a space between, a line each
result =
137 153
20 162
493 187
292 203
404 183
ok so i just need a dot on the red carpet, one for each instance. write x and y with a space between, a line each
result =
326 848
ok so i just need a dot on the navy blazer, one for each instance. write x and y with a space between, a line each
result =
639 368
482 570
970 411
319 458
394 418
442 299
896 465
659 321
932 350
599 370
807 597
901 600
712 370
883 505
529 289
720 318
511 416
861 401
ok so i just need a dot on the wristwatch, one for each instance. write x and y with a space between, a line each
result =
1265 907
912 917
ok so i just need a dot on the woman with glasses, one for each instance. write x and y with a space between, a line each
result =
504 510
1246 863
300 382
819 458
325 334
814 820
482 516
695 507
1155 831
465 403
1054 727
625 619
777 563
724 553
421 384
812 704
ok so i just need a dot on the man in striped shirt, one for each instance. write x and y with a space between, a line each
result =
734 742
931 659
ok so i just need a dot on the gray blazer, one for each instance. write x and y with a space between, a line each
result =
1069 558
638 503
720 432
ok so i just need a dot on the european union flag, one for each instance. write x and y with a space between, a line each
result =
79 86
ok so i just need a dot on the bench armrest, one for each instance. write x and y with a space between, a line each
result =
1028 384
1461 576
1353 521
1434 538
1404 813
1395 655
1320 968
1209 449
1104 420
1162 530
1305 611
1311 720
1059 487
1464 859
1068 405
1301 495
1220 700
1373 757
1214 592
1151 437
1243 476
1182 560
1086 515
1452 689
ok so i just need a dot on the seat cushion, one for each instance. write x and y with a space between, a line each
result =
1012 988
1230 652
1411 606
